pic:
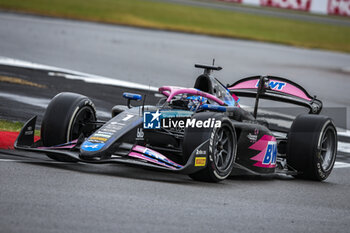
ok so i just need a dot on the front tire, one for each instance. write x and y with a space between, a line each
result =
222 148
65 119
312 146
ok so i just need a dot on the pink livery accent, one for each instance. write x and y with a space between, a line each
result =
235 98
171 91
267 146
141 156
275 85
153 156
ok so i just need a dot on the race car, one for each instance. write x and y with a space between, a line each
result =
201 131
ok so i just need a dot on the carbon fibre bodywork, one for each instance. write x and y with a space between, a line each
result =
155 148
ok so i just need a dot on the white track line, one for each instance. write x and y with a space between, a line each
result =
344 147
89 78
341 165
343 132
8 160
38 102
28 160
42 103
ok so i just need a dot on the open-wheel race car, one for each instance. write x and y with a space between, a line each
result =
200 131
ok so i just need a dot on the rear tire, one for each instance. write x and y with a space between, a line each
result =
222 149
65 119
312 146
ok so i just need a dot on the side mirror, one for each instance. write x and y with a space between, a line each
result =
131 96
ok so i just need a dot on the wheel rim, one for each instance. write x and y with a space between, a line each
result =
84 116
223 150
327 147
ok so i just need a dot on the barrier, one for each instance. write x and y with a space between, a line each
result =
327 7
339 7
303 5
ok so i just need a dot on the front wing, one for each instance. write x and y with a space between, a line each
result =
126 153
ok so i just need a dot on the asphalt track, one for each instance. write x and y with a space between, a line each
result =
39 195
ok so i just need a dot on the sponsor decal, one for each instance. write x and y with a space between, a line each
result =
200 161
303 5
139 134
201 152
274 85
113 127
252 138
109 130
102 135
105 132
89 146
339 7
89 102
211 140
155 120
270 154
267 147
98 139
29 131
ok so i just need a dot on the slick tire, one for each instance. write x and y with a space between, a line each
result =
312 146
65 119
222 147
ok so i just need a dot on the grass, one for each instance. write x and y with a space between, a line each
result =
168 16
13 126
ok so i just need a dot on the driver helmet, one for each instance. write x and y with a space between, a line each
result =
194 102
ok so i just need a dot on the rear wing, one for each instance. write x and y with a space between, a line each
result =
278 89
